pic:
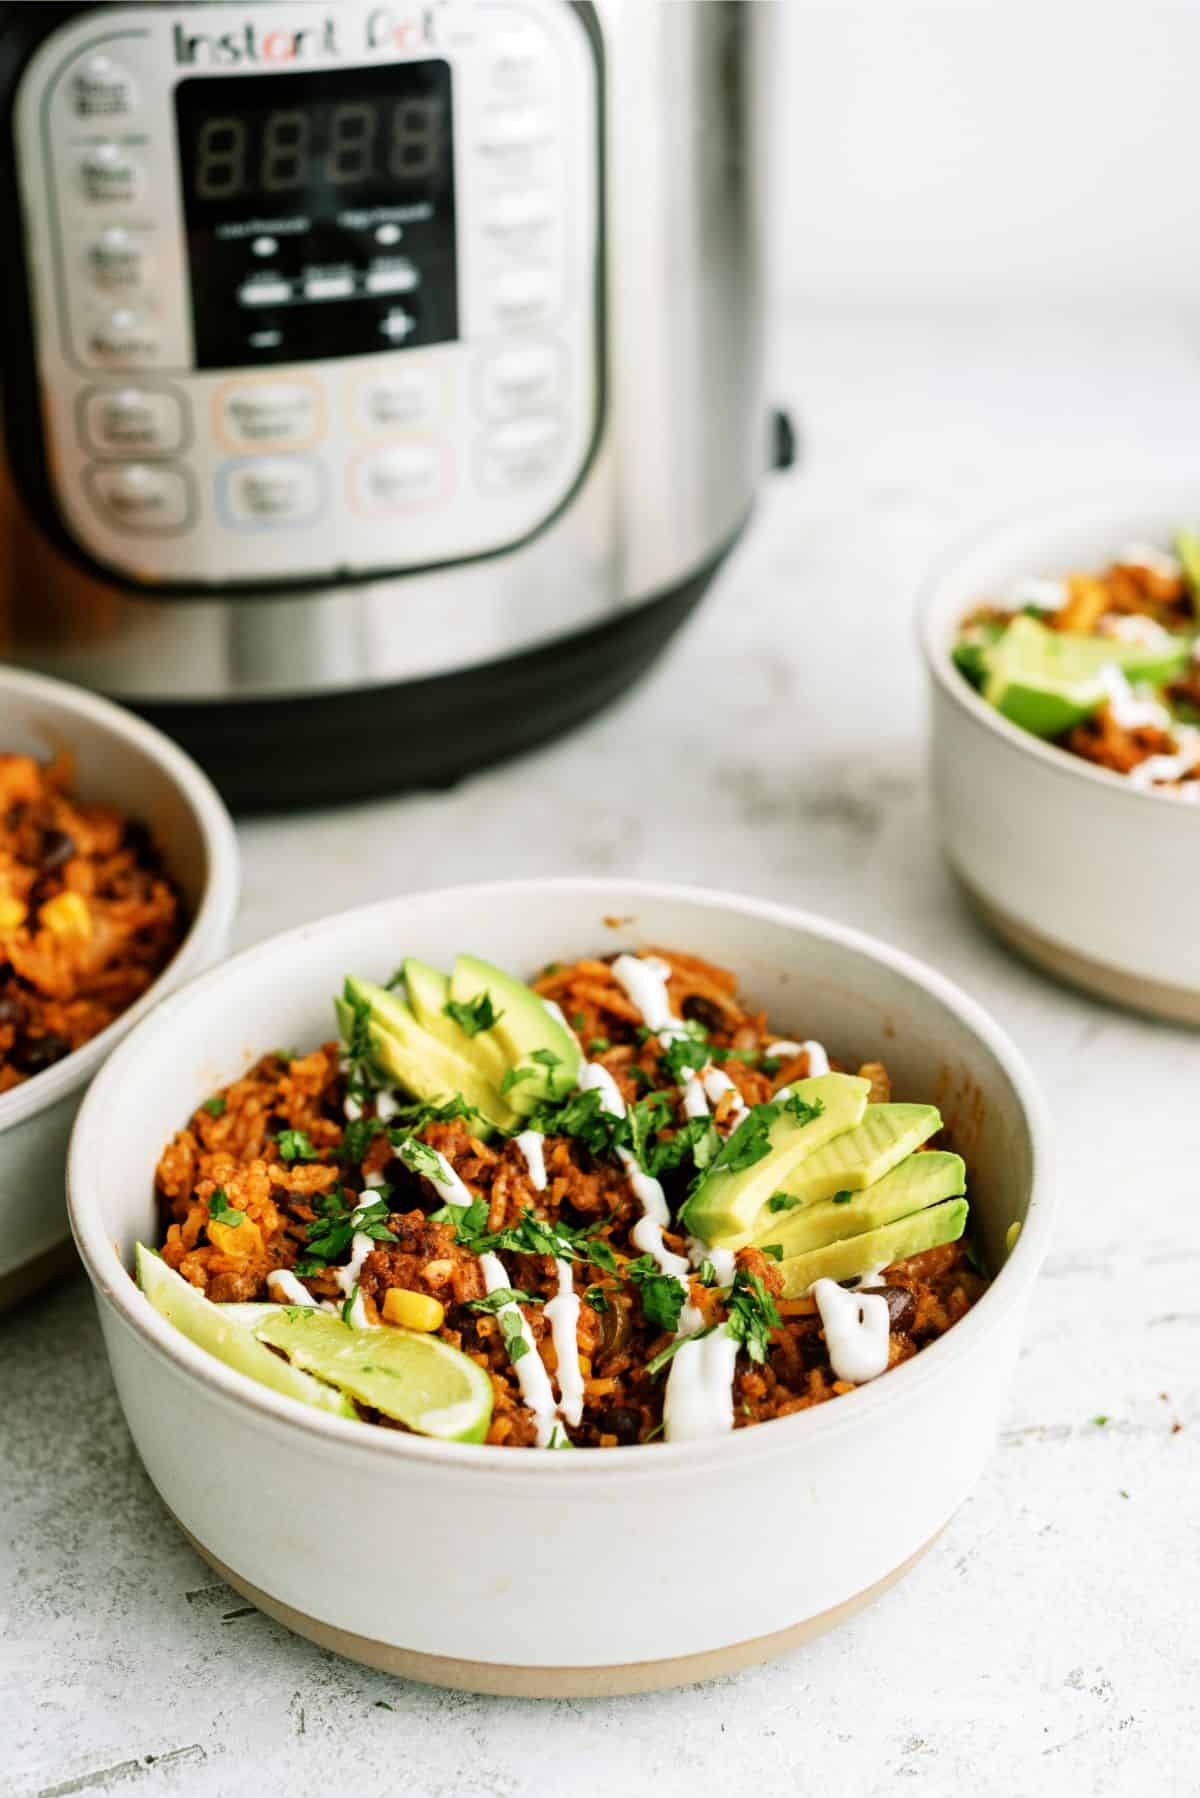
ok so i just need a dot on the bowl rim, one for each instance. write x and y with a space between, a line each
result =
115 1285
935 642
213 917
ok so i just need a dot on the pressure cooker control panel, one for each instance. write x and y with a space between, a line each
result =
314 287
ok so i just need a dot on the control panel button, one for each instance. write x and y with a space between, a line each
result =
120 420
336 286
516 128
123 335
110 174
518 209
117 258
268 412
403 397
140 497
404 474
519 61
272 490
524 378
522 293
520 452
101 88
265 290
392 277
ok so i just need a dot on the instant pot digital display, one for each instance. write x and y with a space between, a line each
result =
320 212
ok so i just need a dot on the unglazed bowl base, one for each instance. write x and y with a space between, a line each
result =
1156 998
499 1681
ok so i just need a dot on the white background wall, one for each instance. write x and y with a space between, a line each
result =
988 150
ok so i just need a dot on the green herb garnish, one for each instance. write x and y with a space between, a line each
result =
503 1295
294 1145
672 1349
783 1201
215 1106
662 1295
752 1314
220 1211
473 1015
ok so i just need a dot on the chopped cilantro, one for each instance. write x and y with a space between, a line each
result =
597 1298
774 1250
598 1045
468 1220
685 1053
783 1201
579 1021
752 1314
473 1015
348 1307
512 1077
708 1274
503 1295
546 1058
215 1106
1100 1421
419 1158
357 1138
662 1295
220 1211
513 1331
339 1216
842 1198
294 1145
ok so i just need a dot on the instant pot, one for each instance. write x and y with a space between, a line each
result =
381 383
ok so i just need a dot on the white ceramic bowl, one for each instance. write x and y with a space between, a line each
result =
602 1571
122 762
1081 872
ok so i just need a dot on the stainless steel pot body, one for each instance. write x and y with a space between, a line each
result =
680 440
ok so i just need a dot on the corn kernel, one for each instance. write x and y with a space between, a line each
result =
12 912
66 915
585 1366
240 1241
412 1310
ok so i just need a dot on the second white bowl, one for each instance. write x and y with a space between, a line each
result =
1083 873
123 763
610 1570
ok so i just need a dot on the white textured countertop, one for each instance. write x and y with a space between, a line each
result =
1050 1642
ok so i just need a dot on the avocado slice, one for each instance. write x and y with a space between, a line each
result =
724 1207
1048 681
425 1067
525 1029
428 995
854 1256
918 1182
859 1157
210 1328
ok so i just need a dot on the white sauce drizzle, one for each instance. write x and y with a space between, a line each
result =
386 1105
530 1370
1158 768
563 1315
285 1287
695 1099
1148 555
444 1180
716 1085
699 1396
818 1060
644 981
530 1143
352 1108
1127 710
723 1261
560 1017
857 1329
360 1247
1133 627
1037 591
374 1181
647 1235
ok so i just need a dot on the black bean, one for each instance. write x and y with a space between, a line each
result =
33 1053
703 1011
137 837
57 847
902 1306
623 1422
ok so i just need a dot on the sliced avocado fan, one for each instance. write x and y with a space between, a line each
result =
874 1250
919 1181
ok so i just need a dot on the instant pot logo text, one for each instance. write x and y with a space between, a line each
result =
385 30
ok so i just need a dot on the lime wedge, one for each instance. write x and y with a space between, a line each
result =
210 1328
419 1380
1048 681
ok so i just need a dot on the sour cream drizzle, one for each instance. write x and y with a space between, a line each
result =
530 1370
530 1142
284 1285
857 1328
562 1313
699 1397
444 1180
818 1060
1127 710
